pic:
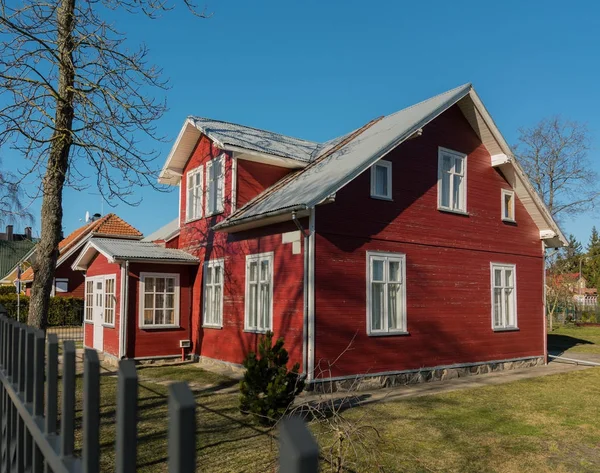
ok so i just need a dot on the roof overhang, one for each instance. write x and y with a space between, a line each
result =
277 216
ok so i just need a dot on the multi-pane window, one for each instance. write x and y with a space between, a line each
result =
259 292
504 307
213 293
159 299
215 183
194 194
381 180
109 301
386 293
452 180
89 300
508 205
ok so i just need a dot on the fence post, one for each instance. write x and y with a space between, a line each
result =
38 394
127 391
182 429
29 365
91 412
298 450
51 388
21 388
67 415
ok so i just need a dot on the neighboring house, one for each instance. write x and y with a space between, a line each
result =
583 296
413 242
13 248
66 281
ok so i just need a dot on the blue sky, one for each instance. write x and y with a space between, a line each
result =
318 69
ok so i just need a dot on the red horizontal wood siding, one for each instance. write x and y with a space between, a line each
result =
76 278
253 178
145 342
448 260
101 267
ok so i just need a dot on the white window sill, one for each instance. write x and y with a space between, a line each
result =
452 211
109 325
261 331
509 220
381 197
505 329
217 327
158 327
388 334
193 220
88 322
214 213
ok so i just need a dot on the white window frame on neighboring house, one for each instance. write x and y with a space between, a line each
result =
387 165
56 289
457 203
257 285
194 194
89 300
110 301
211 288
508 213
504 314
142 298
386 282
215 186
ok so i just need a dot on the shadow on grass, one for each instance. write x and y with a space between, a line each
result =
558 344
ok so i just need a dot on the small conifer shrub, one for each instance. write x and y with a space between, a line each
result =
268 387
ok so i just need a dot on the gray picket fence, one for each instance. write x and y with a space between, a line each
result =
30 440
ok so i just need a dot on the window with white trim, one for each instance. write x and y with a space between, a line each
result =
386 293
194 194
504 304
508 205
213 293
109 301
259 292
61 285
381 180
215 183
452 180
89 300
159 300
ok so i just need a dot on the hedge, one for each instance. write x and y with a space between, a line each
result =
7 290
62 310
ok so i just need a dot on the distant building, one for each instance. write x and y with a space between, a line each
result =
13 248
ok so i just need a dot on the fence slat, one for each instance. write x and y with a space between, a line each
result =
29 364
127 391
182 429
91 412
67 415
38 394
298 450
51 384
13 428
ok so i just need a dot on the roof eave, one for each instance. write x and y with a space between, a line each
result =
244 223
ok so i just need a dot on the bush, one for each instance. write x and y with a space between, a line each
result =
4 290
268 387
61 311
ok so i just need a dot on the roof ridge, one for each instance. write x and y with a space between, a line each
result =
468 84
254 128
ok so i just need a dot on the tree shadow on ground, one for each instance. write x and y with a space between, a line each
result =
558 344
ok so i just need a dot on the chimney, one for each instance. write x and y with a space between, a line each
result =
28 233
9 232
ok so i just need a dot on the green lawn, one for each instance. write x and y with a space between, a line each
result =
575 339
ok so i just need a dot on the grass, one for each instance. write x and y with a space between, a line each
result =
546 424
575 339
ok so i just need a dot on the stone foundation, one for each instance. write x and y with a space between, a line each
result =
424 375
233 370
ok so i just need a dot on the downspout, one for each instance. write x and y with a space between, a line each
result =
125 304
306 235
544 315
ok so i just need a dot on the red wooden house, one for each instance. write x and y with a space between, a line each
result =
414 244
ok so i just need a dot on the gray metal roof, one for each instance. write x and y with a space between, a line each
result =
164 232
333 168
139 250
254 139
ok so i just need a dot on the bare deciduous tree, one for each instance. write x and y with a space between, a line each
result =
76 103
11 205
554 154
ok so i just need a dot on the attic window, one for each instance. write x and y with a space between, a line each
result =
452 181
194 194
215 183
508 205
381 180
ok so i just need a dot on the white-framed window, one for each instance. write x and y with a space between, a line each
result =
61 285
89 300
213 293
259 292
159 300
109 301
381 180
386 293
504 296
452 180
508 205
215 185
194 194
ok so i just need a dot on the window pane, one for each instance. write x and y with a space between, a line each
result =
394 307
170 283
508 213
209 275
377 270
456 192
170 301
508 274
217 271
264 270
159 317
217 307
458 162
264 306
253 271
160 285
381 180
445 190
497 277
497 307
508 307
149 301
252 306
377 290
149 284
148 314
160 301
208 316
447 163
169 316
394 268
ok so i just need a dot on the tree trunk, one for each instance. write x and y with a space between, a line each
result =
56 171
